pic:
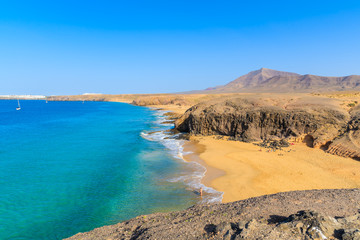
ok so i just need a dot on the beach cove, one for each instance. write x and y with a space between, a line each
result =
242 170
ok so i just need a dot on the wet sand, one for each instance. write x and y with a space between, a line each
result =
194 151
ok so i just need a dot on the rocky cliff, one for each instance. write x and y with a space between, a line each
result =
313 214
320 123
254 119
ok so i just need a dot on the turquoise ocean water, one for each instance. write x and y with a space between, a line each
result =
69 167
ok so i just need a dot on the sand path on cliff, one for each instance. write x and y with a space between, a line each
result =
250 172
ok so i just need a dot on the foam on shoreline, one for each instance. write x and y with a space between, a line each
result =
192 178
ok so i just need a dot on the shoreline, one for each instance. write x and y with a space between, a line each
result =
193 150
200 174
240 170
238 180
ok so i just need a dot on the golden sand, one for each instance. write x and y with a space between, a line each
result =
245 171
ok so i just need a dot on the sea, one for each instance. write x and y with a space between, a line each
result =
69 167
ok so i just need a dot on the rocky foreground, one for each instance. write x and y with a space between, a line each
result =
312 214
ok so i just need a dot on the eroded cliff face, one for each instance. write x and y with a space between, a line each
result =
348 143
257 119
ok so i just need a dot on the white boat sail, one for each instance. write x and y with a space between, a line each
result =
18 108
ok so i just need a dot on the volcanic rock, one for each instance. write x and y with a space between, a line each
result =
312 214
255 119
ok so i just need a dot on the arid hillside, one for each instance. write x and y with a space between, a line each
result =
268 80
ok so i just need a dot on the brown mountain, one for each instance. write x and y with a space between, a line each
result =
268 80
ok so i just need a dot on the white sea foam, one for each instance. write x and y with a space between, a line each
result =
192 178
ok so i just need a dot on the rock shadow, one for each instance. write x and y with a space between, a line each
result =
309 140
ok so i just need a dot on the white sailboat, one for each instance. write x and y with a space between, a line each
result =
18 108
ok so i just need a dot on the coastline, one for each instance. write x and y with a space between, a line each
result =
198 174
240 170
194 150
245 172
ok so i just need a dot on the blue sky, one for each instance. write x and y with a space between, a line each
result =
73 47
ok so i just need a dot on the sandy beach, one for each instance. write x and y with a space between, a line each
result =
245 171
241 170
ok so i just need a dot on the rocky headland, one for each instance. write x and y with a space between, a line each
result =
312 214
319 122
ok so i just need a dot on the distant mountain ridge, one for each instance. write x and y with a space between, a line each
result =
268 80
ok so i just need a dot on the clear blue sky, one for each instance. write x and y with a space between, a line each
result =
72 47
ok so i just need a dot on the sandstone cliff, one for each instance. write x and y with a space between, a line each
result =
254 119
